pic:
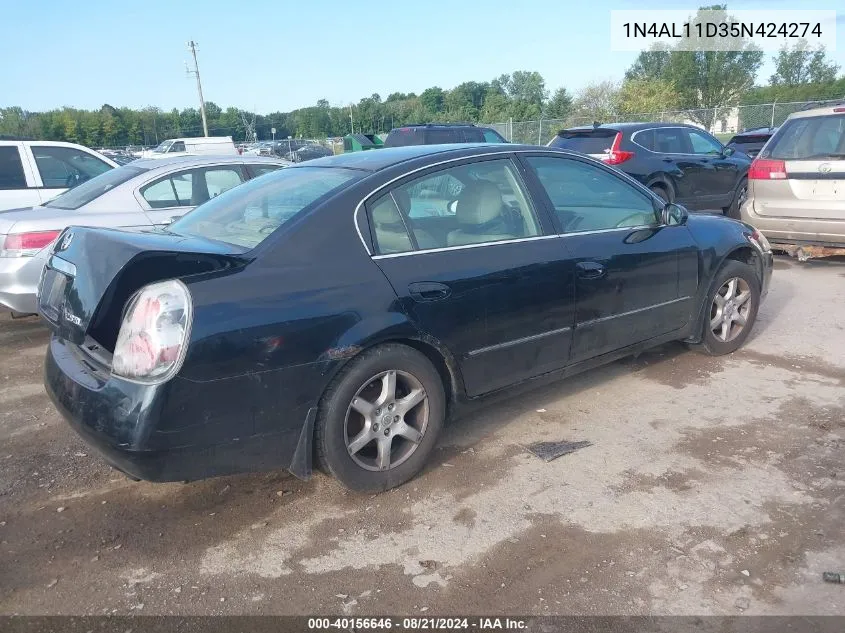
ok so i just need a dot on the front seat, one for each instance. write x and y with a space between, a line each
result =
403 201
480 216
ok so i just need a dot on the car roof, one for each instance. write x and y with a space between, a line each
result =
195 161
631 126
378 159
819 111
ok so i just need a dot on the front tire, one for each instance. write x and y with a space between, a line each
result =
380 418
731 311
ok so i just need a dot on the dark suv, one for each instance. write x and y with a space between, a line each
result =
680 163
439 133
750 142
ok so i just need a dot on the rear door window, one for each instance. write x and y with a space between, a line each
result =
11 168
178 146
65 167
439 137
671 140
585 141
809 138
191 187
403 137
260 170
473 135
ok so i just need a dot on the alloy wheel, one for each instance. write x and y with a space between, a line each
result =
730 310
386 420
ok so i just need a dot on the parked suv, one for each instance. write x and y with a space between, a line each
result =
438 133
35 172
797 183
750 142
680 163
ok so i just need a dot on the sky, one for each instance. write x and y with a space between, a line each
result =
279 55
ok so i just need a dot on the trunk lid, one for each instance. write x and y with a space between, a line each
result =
91 273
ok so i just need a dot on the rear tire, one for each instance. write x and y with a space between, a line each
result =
740 194
731 309
661 192
379 419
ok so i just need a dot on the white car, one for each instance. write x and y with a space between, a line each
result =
35 172
193 146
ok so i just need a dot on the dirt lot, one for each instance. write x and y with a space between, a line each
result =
713 486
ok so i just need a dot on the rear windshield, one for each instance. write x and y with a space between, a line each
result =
585 141
246 215
92 189
809 138
748 140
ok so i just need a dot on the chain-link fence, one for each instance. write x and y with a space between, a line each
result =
719 121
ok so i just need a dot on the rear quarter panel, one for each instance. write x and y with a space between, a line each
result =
273 334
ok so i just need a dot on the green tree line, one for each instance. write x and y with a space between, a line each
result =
705 83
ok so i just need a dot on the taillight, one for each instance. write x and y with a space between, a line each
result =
154 333
27 244
765 169
614 155
760 240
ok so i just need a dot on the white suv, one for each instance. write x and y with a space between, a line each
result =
34 172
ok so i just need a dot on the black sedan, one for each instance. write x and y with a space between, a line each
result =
341 308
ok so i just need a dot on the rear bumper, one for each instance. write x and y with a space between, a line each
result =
768 267
19 278
791 230
167 432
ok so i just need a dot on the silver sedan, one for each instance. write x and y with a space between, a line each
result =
142 194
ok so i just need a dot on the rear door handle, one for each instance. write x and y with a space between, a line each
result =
428 291
590 270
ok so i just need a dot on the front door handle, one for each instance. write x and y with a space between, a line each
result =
590 270
428 291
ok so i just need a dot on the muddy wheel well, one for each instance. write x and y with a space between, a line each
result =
747 255
448 375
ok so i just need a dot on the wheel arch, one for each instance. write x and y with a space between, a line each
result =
663 181
744 253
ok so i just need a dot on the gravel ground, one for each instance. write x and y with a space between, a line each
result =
713 486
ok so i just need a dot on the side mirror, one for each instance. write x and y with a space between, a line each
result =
728 151
673 214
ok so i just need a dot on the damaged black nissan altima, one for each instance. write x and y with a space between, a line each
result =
337 310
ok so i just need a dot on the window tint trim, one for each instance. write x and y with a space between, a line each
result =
442 249
510 153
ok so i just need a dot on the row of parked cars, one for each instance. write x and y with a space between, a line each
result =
327 312
789 181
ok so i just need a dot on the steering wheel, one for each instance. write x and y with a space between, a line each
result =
622 222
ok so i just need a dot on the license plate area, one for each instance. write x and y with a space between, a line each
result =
51 295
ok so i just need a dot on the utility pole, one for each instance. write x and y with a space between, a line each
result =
192 45
351 121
